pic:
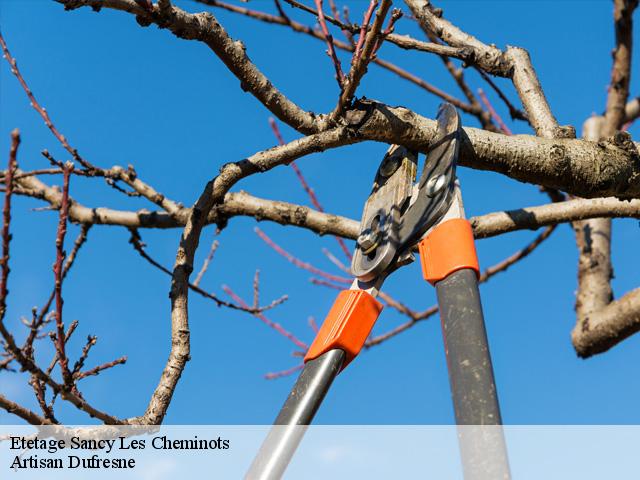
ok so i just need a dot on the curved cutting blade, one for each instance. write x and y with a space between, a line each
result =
377 243
434 192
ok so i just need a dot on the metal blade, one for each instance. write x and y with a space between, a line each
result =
436 186
378 243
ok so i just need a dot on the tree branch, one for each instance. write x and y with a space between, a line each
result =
400 40
596 330
513 63
361 58
214 194
22 412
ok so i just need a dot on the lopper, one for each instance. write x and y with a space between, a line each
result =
398 217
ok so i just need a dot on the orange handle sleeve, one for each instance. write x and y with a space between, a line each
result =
448 247
347 325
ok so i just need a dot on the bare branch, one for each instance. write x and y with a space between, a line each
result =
400 40
241 203
363 30
608 326
593 239
299 263
40 109
40 319
22 412
207 261
515 113
513 63
6 220
331 52
138 245
274 325
312 195
632 110
213 194
57 272
283 373
361 57
615 114
596 331
563 212
517 256
503 126
100 368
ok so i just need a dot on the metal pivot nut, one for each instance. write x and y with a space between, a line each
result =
435 184
390 165
368 240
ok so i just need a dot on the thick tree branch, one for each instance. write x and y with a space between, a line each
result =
497 223
609 326
400 40
513 63
596 328
284 213
593 238
213 194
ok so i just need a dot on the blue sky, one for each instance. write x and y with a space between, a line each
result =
125 94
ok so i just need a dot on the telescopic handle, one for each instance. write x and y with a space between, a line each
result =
337 343
450 263
473 388
298 410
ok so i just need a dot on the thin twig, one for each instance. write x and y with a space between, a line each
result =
332 258
57 272
41 317
350 47
96 370
39 390
40 109
136 241
91 341
6 219
299 263
283 373
496 117
313 325
515 113
331 51
396 15
361 58
207 261
517 256
274 325
22 412
72 328
363 29
310 192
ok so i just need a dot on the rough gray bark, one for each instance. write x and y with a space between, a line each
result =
596 328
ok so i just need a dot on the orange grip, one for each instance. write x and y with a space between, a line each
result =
448 248
347 325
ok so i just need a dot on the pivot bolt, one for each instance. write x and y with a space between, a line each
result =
390 165
368 242
435 184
